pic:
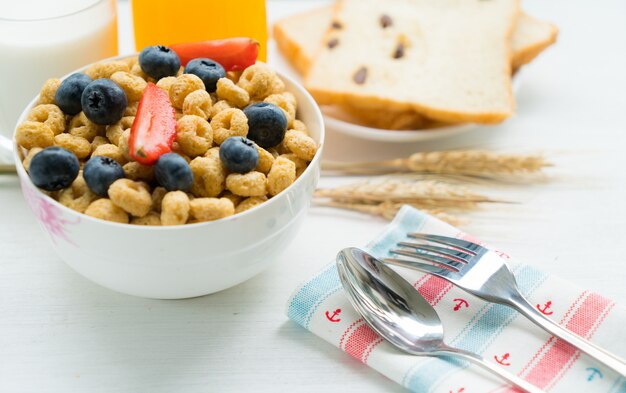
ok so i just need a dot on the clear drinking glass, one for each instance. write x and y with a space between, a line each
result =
41 39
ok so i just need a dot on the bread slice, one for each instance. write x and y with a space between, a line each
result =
299 36
446 59
530 37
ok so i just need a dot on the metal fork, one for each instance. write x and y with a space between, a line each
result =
484 274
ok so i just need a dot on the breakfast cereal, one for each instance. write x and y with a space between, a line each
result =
175 208
104 209
131 196
194 135
182 87
249 184
49 114
227 123
149 186
209 209
281 176
198 103
76 144
233 94
31 134
49 89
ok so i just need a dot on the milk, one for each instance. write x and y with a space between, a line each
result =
41 39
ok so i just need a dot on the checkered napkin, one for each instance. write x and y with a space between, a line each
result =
496 332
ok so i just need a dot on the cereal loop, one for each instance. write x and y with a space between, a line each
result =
209 176
286 104
198 103
132 85
300 163
150 219
111 151
166 83
105 70
131 61
137 171
300 126
281 176
175 208
235 199
194 135
249 184
227 123
114 132
78 196
131 196
104 209
31 134
157 198
235 95
29 157
98 141
48 91
257 80
182 87
218 107
266 159
77 145
131 109
210 209
123 144
85 128
300 144
249 203
49 114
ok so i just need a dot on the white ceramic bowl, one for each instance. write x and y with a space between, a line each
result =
179 261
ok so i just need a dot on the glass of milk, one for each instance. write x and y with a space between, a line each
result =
41 39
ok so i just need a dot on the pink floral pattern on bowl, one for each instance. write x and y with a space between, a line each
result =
49 215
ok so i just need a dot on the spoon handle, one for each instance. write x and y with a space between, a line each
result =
512 378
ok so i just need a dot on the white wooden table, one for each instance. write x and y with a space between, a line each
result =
61 333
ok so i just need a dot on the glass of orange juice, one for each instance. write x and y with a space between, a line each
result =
166 22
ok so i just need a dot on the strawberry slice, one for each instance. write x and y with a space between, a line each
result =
154 128
234 54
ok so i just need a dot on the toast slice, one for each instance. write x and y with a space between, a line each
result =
299 36
530 37
446 59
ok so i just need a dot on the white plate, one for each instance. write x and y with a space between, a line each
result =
334 124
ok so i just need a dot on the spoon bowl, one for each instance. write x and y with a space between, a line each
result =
396 311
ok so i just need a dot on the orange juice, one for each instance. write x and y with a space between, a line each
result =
166 22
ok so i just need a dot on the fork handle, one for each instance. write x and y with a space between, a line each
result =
507 376
521 304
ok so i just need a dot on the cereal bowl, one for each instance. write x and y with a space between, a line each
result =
174 262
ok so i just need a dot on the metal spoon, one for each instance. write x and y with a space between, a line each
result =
396 311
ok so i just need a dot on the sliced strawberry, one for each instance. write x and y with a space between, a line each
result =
154 128
234 54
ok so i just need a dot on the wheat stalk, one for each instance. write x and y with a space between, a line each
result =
388 210
423 194
477 163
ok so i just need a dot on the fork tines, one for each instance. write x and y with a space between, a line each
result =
457 253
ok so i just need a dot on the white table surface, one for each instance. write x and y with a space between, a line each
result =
61 333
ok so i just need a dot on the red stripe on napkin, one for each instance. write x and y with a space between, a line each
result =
559 355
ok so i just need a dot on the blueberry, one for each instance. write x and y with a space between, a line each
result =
159 61
239 154
173 173
53 168
70 91
100 172
104 102
208 70
267 124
